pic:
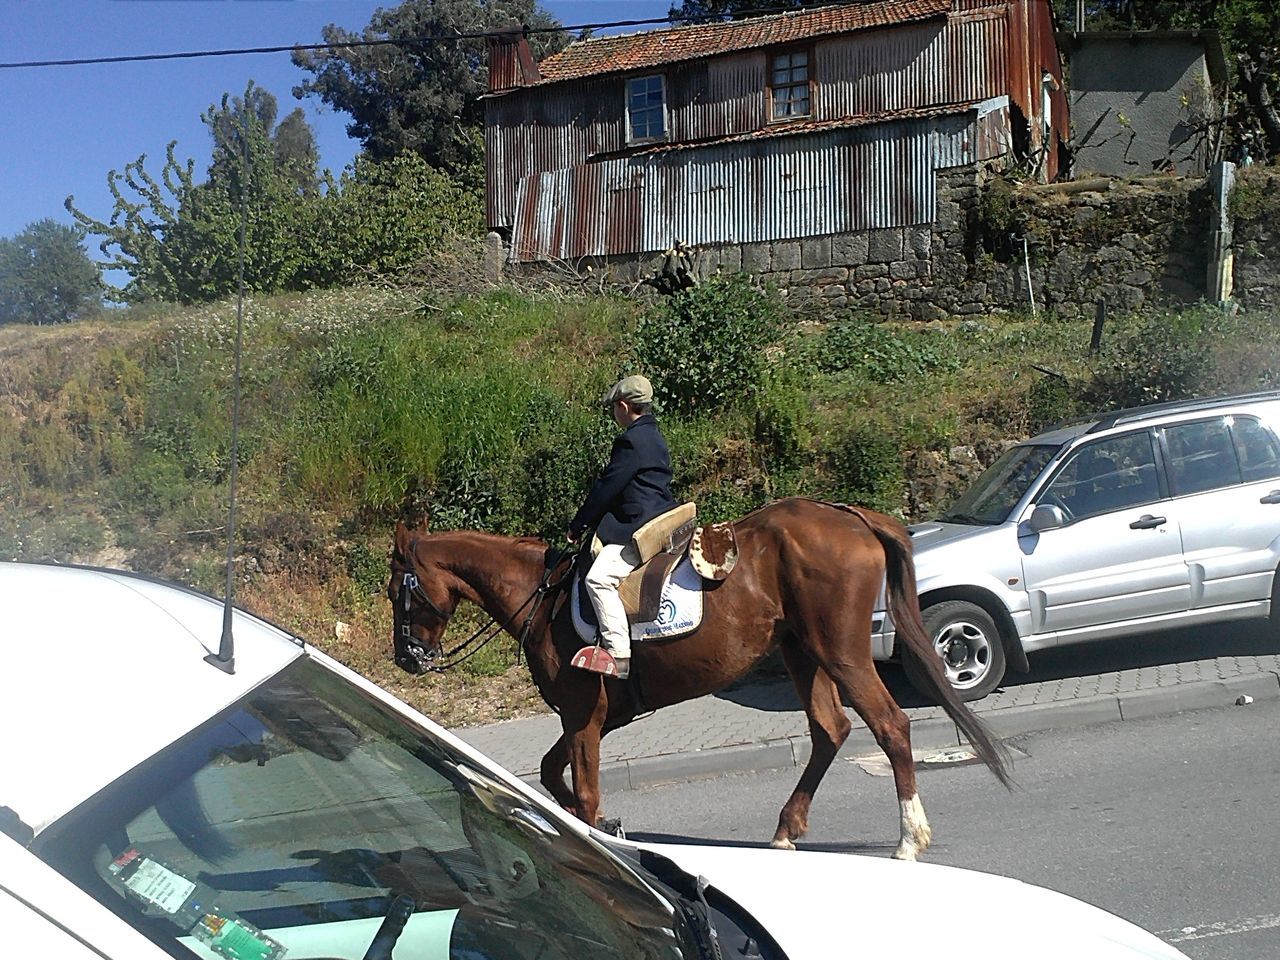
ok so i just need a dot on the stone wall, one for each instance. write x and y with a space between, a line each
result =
1128 243
1256 239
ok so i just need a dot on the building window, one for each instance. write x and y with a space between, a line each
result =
646 109
790 85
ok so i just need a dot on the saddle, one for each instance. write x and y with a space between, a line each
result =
663 597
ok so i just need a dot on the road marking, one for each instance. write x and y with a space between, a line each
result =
1221 928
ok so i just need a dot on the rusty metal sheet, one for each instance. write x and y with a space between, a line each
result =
749 191
912 66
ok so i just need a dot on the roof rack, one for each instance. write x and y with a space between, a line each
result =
1108 420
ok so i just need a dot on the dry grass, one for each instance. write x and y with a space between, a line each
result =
313 610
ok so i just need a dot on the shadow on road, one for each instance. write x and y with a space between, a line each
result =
874 849
769 689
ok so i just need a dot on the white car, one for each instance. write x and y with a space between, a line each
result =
157 803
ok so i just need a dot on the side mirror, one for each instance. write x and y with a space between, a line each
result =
1046 517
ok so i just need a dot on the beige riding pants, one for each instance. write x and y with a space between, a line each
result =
612 565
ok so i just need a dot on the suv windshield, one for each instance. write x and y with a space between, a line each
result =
1002 485
311 820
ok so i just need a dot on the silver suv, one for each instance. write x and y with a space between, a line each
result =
1161 515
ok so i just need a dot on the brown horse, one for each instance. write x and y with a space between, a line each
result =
807 581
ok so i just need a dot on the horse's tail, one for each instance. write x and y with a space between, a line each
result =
904 608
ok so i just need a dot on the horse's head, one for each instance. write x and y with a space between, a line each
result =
421 602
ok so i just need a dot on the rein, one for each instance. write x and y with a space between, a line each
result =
411 588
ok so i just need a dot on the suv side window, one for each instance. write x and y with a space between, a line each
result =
1112 474
1201 456
1256 449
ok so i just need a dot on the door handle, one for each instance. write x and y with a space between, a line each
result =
1272 497
1146 522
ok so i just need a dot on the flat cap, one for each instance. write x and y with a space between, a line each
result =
633 389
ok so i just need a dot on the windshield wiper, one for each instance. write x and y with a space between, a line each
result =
967 518
691 901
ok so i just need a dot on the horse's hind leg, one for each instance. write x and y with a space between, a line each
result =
892 729
551 774
828 728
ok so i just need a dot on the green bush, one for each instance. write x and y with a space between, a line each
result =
865 467
781 430
1156 357
367 568
881 352
704 348
1050 400
52 533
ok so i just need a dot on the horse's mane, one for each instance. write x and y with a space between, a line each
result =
479 537
484 535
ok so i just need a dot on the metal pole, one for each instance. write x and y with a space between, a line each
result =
225 659
1031 293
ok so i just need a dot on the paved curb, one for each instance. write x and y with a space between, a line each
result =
930 732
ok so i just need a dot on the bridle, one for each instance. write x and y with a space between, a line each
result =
411 589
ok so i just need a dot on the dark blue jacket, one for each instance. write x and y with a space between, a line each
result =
633 489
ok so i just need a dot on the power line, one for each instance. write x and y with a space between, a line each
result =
347 44
352 44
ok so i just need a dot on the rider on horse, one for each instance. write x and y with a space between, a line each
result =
634 488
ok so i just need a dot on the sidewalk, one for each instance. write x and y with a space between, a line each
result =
759 725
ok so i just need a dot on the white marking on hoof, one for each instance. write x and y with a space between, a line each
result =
916 833
781 844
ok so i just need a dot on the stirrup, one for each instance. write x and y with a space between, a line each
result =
599 660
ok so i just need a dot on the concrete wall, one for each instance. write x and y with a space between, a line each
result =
1135 105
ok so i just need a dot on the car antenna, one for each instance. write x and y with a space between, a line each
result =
225 659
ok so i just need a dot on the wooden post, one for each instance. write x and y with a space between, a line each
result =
1099 318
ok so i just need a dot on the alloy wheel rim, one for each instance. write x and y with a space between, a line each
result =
965 650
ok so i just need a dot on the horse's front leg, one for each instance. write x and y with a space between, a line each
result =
582 739
551 774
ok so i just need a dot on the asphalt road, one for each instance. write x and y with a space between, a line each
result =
1169 822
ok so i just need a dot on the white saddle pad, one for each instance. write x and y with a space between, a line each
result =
679 610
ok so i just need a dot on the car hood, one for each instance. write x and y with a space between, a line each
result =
888 908
934 533
943 549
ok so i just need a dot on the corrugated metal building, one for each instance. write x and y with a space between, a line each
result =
824 121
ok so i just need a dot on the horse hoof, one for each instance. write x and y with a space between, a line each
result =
613 826
909 854
781 843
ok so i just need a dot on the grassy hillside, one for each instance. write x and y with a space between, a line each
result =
364 406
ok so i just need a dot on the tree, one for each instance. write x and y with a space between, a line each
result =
179 239
382 218
419 93
295 151
46 276
293 142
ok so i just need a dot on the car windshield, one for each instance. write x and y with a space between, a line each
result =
311 820
1002 485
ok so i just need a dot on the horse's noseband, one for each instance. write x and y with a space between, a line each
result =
410 590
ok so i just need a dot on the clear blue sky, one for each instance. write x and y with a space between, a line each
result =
63 128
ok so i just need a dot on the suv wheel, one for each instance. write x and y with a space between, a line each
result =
969 643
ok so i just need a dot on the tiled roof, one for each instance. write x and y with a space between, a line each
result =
639 51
